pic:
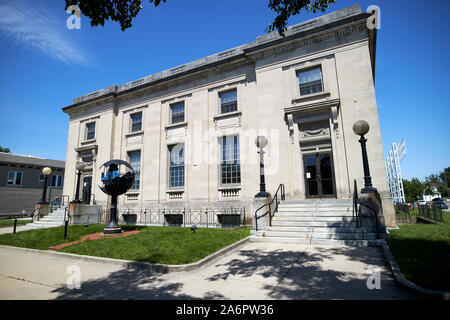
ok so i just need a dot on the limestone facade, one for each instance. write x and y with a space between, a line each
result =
307 130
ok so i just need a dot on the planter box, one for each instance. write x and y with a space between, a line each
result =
229 220
174 219
130 218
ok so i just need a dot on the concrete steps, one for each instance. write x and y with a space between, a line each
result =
327 221
54 219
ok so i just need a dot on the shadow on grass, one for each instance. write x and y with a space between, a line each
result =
277 274
424 262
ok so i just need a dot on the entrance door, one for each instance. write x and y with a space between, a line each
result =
87 183
319 175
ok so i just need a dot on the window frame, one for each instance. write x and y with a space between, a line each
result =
138 171
131 121
234 162
15 178
177 114
220 100
86 137
59 178
170 166
309 68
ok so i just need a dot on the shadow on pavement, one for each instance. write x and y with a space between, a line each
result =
297 274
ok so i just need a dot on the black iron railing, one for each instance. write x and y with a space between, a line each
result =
58 202
431 213
272 206
355 214
36 214
207 217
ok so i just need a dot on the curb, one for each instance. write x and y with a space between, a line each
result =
153 267
396 272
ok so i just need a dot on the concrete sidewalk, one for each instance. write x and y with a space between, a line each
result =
254 271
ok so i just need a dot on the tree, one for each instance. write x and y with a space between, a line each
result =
124 11
413 189
6 150
445 178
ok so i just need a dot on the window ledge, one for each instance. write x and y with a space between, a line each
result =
322 94
175 125
174 190
228 114
88 141
231 187
136 133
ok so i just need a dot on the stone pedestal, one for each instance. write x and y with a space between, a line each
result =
84 214
371 214
44 209
262 223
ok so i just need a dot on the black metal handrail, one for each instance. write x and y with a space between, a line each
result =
355 204
61 202
276 199
38 214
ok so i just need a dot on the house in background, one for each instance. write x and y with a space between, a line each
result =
22 181
435 193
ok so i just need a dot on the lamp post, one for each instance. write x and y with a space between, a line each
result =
46 172
361 128
80 167
261 142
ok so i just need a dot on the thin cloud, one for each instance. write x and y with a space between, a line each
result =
31 27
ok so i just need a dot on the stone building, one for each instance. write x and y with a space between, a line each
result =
22 181
189 131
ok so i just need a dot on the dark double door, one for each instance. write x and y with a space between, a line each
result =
319 175
87 187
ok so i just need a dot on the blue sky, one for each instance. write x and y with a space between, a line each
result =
44 65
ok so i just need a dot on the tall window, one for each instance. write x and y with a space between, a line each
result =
14 178
135 162
176 165
230 166
90 131
228 101
177 112
56 181
136 122
310 81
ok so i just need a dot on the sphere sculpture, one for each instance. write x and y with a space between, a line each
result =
117 178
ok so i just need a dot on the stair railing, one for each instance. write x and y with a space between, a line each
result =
279 196
355 204
60 202
33 214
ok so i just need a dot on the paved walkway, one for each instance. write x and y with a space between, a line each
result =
254 271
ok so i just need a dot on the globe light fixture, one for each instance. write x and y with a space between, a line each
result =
46 172
261 142
361 128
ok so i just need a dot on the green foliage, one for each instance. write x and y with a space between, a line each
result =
168 245
423 253
287 8
6 150
124 11
413 189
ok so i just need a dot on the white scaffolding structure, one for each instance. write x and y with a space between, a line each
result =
394 174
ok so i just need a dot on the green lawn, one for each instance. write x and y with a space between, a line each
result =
423 253
167 245
10 222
